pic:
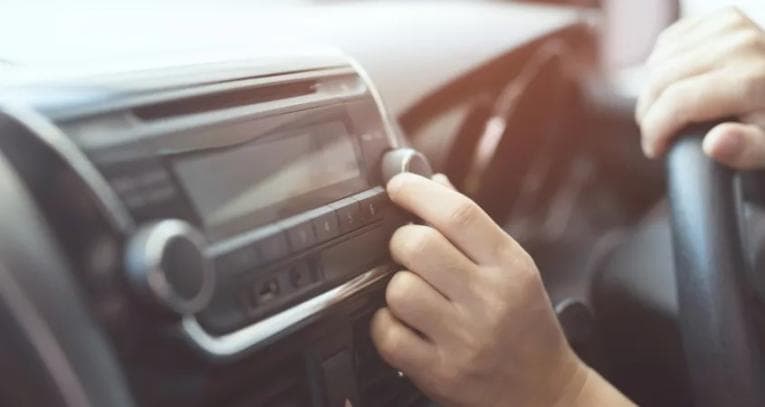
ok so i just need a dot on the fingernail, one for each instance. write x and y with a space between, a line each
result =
440 178
723 145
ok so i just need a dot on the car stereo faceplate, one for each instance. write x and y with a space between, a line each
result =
250 201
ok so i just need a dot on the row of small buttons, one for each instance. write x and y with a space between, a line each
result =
296 234
281 284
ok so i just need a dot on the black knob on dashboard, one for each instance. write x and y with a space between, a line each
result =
404 160
167 266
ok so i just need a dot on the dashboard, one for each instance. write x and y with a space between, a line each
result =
197 216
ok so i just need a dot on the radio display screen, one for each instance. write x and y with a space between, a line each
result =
273 176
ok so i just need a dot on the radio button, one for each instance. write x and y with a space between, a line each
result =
301 235
240 259
301 275
272 247
372 204
353 256
326 225
348 214
266 291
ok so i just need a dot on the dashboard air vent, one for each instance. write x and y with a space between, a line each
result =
225 99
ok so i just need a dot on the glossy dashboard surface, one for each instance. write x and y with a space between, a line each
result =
409 49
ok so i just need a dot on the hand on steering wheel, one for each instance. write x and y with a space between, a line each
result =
702 70
705 69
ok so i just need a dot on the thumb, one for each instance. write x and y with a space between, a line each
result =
741 146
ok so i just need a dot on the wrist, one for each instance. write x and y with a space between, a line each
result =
588 388
572 389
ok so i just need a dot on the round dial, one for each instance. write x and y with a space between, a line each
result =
168 268
404 160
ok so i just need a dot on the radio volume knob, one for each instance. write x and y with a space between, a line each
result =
404 160
167 267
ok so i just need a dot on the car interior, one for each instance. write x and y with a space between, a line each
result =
133 273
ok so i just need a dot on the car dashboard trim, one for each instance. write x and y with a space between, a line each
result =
264 331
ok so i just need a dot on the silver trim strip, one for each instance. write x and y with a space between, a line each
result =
65 148
391 131
256 334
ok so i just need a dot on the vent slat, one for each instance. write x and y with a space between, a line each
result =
226 99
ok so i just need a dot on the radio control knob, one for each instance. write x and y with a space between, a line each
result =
167 266
404 160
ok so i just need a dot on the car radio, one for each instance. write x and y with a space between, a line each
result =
250 196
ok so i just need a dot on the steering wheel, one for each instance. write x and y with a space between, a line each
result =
722 346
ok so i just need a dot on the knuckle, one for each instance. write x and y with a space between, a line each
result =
526 265
510 285
463 214
506 249
526 274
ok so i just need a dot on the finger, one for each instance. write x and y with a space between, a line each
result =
677 70
454 215
417 304
426 252
741 146
698 30
398 345
443 180
701 98
699 61
679 28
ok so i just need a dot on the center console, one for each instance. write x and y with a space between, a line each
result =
228 223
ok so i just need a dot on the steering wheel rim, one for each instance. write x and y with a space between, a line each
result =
720 339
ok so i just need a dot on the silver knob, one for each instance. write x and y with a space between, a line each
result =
404 160
167 267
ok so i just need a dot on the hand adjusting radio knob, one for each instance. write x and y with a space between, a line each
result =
167 267
404 160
